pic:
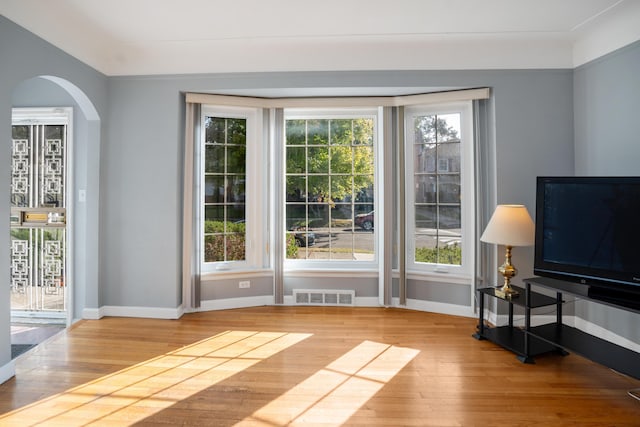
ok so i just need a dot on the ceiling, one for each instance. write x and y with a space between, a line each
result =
142 37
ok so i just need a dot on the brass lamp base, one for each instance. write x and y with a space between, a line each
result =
508 293
508 271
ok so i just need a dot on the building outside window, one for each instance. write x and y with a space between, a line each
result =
440 188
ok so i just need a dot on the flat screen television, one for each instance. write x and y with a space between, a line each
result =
588 231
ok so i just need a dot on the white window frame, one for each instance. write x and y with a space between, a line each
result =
338 113
254 196
467 177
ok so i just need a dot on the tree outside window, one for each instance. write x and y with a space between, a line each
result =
329 181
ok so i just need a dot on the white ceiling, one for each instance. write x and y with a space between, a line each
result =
139 37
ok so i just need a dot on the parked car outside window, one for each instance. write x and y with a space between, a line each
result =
364 221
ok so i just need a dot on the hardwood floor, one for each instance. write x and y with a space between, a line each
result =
276 366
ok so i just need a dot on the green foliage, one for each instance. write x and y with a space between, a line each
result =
432 129
234 240
219 227
221 236
292 247
451 255
334 146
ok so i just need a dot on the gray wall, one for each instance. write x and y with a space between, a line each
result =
142 162
24 57
607 129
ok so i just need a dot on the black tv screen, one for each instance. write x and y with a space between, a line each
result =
588 230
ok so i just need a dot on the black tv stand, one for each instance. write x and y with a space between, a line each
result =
618 298
572 339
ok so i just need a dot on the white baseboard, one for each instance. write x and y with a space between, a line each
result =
125 311
229 303
7 372
367 302
438 307
92 313
606 334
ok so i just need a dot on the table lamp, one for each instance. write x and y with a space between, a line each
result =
510 225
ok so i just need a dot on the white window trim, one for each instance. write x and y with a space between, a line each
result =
254 198
340 113
466 270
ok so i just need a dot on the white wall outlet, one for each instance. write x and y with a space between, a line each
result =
245 284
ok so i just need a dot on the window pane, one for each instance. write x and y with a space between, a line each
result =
449 189
318 160
318 132
296 215
425 188
341 132
363 132
236 214
236 159
341 187
341 159
449 217
363 160
338 183
213 213
237 131
318 188
426 245
448 128
341 215
424 158
214 159
235 189
296 132
235 246
449 157
296 160
296 188
214 248
426 218
215 130
364 245
365 194
425 127
319 216
214 189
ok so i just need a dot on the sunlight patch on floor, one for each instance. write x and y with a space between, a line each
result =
335 393
135 393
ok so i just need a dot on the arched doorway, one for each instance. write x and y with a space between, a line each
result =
81 210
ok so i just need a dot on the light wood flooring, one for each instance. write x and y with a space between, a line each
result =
277 366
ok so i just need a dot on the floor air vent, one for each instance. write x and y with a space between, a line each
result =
323 297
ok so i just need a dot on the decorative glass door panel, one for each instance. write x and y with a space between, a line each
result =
38 216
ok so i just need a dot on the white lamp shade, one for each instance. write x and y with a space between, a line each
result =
510 225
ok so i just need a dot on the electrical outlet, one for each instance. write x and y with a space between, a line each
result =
245 284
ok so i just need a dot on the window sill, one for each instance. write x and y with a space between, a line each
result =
436 277
331 272
231 274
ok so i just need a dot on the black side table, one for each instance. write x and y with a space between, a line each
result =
513 338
